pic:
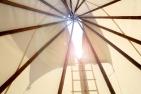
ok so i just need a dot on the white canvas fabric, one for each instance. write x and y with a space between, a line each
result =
44 74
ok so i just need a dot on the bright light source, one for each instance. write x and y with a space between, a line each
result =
76 37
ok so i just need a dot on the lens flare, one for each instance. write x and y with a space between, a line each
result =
76 37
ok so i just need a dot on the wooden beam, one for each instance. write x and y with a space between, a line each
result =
66 6
113 17
113 20
105 5
71 6
134 62
79 5
115 32
110 87
51 6
83 78
17 73
29 8
65 63
76 5
13 31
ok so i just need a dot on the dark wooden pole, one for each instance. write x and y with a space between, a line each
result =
113 17
18 30
99 63
105 5
17 73
60 89
115 32
134 62
29 8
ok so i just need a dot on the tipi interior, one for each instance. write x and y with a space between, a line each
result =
70 47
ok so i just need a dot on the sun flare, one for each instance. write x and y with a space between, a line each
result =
76 37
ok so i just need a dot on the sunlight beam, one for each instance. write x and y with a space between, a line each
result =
76 38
